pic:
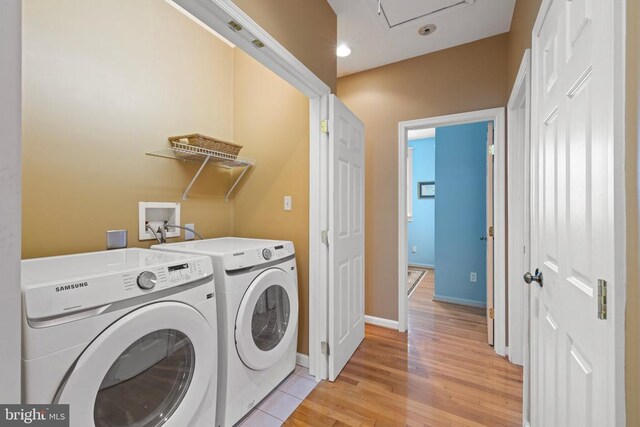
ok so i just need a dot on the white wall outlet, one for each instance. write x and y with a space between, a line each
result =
287 203
473 277
156 213
188 235
414 249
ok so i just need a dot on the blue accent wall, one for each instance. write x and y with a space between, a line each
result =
460 212
422 228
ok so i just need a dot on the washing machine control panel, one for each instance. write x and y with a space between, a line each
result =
260 255
58 298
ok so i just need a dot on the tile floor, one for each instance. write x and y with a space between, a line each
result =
281 403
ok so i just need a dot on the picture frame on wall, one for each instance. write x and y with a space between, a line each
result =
426 189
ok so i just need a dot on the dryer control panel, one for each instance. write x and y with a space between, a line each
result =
248 258
61 298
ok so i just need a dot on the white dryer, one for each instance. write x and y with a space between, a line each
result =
125 337
257 288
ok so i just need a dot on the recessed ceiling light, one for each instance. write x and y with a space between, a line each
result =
425 30
343 50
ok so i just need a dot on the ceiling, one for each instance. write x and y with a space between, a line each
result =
391 36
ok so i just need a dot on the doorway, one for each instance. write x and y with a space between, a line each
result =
447 216
496 296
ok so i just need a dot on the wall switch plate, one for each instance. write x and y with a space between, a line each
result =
473 277
287 203
414 249
116 239
187 234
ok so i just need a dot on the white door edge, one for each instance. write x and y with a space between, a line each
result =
519 123
518 241
497 115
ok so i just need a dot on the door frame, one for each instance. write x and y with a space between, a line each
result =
11 196
497 115
519 137
214 14
616 296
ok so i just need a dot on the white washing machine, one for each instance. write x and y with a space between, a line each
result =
125 337
257 289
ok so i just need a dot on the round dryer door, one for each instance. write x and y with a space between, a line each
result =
150 368
267 319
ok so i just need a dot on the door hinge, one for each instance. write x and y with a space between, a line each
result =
324 126
492 149
491 314
602 299
324 237
491 231
324 348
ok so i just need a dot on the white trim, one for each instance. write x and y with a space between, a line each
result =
518 174
216 14
620 217
302 360
460 301
380 321
201 24
422 133
410 184
10 197
497 115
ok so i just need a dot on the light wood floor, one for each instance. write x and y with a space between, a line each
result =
442 373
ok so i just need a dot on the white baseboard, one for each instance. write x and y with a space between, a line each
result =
302 360
460 301
414 264
379 321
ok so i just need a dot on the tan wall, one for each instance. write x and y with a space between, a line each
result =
633 255
98 94
524 17
271 120
464 78
306 28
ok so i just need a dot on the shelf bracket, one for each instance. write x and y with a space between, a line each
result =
228 195
186 192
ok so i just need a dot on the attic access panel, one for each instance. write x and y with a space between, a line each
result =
396 13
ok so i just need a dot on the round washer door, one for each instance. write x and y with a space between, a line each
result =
150 368
267 319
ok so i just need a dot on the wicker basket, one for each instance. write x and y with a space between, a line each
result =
209 143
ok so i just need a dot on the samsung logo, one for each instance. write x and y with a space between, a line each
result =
72 286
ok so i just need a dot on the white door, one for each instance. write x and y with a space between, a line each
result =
572 349
346 235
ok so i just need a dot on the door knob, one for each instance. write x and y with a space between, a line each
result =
536 277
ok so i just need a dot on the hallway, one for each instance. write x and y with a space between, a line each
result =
448 377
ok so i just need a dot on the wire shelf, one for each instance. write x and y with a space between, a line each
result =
191 153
